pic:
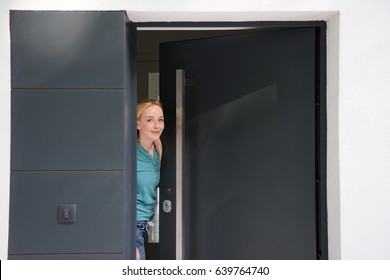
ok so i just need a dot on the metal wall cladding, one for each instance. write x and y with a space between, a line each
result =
67 134
33 221
67 49
67 130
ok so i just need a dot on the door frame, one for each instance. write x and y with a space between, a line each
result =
320 118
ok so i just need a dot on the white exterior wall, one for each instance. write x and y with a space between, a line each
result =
358 99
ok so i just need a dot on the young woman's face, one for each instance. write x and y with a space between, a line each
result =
151 123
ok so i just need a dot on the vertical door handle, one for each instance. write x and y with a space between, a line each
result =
180 129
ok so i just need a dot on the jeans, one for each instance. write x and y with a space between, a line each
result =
142 229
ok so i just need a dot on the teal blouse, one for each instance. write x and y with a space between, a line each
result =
148 177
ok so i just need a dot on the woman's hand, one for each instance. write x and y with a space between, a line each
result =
137 255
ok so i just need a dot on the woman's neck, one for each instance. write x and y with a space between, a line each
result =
148 146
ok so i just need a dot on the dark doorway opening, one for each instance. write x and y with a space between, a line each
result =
148 86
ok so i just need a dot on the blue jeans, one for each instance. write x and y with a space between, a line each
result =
142 229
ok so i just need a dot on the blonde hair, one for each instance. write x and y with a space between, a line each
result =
141 106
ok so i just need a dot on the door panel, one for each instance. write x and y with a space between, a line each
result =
249 190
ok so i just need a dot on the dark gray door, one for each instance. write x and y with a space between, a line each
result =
250 186
68 92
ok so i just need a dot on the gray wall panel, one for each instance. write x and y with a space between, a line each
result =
67 133
33 219
68 257
67 130
67 49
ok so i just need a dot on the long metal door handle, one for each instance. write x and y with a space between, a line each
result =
180 117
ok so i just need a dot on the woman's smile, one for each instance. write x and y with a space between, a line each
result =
151 124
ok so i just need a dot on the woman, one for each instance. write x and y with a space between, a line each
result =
150 125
